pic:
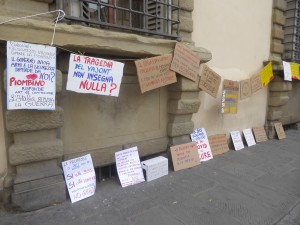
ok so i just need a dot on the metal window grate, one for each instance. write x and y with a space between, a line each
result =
146 17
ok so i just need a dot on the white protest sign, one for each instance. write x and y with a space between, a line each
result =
249 137
31 76
94 75
129 167
287 71
237 140
155 167
204 150
80 177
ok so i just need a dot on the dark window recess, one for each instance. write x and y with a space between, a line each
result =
145 17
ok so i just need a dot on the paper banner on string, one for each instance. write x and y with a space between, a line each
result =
249 137
295 71
31 76
80 177
185 62
129 167
287 71
209 80
245 89
266 74
199 135
155 72
185 156
94 75
255 84
218 144
237 140
230 96
260 134
279 130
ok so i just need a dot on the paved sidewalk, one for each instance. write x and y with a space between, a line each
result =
257 185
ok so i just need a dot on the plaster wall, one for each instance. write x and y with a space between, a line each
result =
238 35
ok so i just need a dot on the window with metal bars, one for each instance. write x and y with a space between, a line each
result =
159 18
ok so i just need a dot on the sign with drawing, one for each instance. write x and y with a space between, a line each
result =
209 80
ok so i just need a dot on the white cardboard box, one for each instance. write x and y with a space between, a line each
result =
155 168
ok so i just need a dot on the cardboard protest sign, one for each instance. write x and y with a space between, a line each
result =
237 140
266 74
129 167
185 62
218 144
94 75
80 177
230 96
155 168
249 137
185 156
209 81
255 83
31 76
199 135
155 72
279 130
287 71
295 71
260 134
245 89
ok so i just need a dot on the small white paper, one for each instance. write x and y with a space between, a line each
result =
199 135
237 140
249 137
129 167
287 71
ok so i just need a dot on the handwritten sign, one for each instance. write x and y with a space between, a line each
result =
287 71
185 156
230 96
209 81
279 130
154 72
249 137
255 83
295 71
94 75
237 140
266 74
129 167
259 134
245 89
155 168
80 177
31 76
218 144
199 135
185 62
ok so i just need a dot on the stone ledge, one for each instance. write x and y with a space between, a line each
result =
278 100
274 113
280 86
277 32
276 47
184 84
280 4
35 136
186 106
278 17
178 129
183 139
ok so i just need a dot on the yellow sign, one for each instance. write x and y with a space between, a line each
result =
295 71
266 74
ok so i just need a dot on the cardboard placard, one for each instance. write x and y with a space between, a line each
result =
185 156
230 96
295 71
185 62
209 80
155 72
245 87
287 71
80 177
218 144
255 83
237 140
249 137
266 74
129 167
155 168
279 130
31 76
199 135
260 134
94 75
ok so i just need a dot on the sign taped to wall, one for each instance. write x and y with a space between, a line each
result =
245 89
155 72
255 83
31 76
287 71
295 71
209 80
266 74
230 96
94 75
